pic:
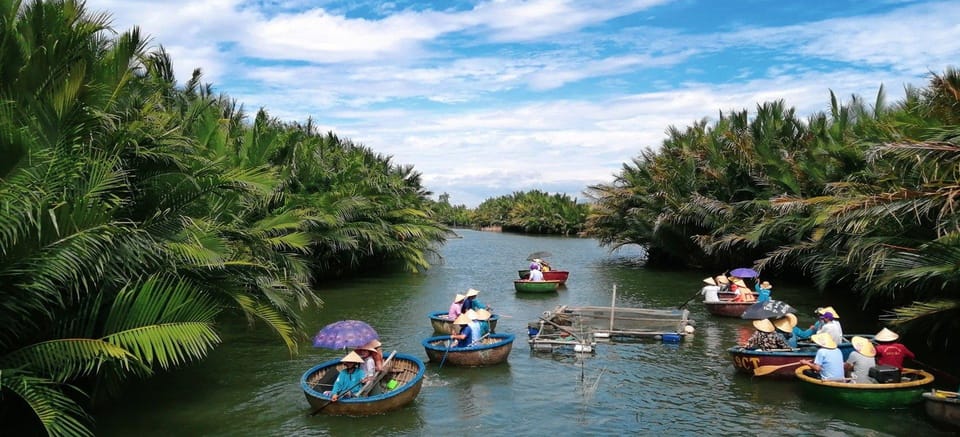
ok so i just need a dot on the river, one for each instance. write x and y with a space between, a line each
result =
250 385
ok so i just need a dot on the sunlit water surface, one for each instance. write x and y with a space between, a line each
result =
250 385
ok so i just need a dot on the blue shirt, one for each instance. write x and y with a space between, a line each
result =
831 364
763 293
468 336
471 303
348 381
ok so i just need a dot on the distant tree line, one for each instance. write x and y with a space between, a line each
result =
531 212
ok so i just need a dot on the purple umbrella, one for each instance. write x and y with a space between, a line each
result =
344 334
744 272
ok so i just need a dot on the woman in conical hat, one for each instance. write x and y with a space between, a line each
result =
350 380
861 360
889 351
466 332
829 359
454 309
372 357
765 337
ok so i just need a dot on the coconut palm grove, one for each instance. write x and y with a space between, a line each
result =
137 210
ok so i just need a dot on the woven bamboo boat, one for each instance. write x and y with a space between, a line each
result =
747 360
549 275
442 325
524 286
875 396
943 407
406 370
727 308
493 349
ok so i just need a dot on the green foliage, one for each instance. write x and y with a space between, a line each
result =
134 214
533 212
862 197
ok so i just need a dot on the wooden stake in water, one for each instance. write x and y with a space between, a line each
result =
613 305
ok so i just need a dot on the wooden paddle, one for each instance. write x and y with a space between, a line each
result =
688 300
387 365
314 412
766 370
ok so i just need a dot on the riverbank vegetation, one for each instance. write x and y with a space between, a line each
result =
136 212
860 198
528 212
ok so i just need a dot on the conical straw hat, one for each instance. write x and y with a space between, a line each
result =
710 281
352 357
786 323
763 325
863 346
459 298
825 340
886 335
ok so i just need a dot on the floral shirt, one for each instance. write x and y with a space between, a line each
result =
766 340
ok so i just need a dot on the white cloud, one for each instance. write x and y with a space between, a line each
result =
471 96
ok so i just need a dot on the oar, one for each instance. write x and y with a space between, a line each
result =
347 390
479 339
688 300
940 374
444 359
766 370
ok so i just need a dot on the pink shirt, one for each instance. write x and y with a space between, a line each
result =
454 311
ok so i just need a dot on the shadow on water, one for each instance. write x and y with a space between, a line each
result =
249 386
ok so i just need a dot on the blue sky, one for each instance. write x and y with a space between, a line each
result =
487 98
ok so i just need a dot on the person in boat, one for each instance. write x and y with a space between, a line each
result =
535 273
454 310
710 290
805 334
829 359
831 325
763 291
483 320
543 265
785 326
764 337
465 336
372 358
860 361
740 290
471 302
723 283
350 380
474 325
889 351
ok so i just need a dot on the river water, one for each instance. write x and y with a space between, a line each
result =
250 385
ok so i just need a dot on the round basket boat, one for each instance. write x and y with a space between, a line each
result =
875 396
549 275
403 372
943 408
525 286
493 349
442 325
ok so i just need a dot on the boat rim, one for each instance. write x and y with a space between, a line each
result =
925 378
503 339
421 369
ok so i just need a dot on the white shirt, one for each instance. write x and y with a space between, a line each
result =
833 328
536 275
709 293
